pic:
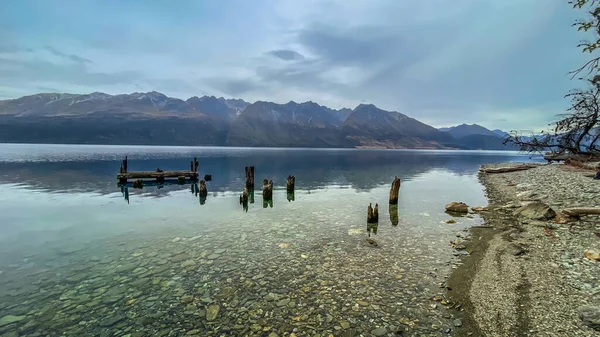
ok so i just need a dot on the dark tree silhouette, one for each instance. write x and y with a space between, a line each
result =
578 130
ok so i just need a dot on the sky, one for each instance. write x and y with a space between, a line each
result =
499 63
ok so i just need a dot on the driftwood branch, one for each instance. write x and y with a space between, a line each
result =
507 169
581 211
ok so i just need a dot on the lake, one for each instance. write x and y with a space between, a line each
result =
80 256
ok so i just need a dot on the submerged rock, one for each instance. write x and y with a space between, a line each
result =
6 320
379 331
590 315
536 211
212 312
457 207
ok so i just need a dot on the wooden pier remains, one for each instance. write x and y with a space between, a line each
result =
159 175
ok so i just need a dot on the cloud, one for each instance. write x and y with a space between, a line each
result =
13 49
71 57
286 55
438 61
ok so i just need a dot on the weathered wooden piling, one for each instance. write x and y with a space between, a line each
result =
291 196
125 165
208 177
244 196
394 191
196 164
372 228
251 196
138 183
373 214
267 189
250 177
291 182
202 188
394 215
267 203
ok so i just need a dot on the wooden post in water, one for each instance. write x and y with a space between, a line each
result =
244 196
125 165
244 199
394 215
373 214
267 189
202 189
196 164
291 182
250 178
207 177
251 196
203 192
394 191
192 165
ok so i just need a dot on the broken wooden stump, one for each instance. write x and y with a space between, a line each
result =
125 165
372 228
196 164
394 191
267 202
267 189
202 188
373 214
250 177
291 196
251 196
244 196
394 215
291 182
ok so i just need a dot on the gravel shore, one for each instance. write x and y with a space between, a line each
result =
529 277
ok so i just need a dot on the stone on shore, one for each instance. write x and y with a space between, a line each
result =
536 211
590 315
457 207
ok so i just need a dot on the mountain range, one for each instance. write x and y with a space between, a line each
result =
153 118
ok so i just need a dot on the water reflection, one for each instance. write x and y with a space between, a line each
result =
291 196
73 260
361 169
394 214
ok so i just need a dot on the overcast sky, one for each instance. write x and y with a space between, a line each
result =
500 63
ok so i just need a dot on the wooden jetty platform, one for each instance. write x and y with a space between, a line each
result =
159 175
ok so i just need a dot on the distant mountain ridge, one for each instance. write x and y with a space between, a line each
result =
474 136
155 119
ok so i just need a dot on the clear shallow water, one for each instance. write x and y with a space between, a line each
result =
77 259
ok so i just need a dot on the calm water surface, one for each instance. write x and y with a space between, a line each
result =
78 259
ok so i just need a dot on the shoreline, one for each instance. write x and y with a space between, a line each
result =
527 277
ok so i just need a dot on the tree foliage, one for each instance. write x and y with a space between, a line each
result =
578 130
